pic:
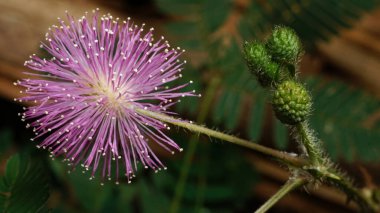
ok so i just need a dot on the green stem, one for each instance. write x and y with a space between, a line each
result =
322 169
289 186
306 139
279 155
332 176
365 202
180 187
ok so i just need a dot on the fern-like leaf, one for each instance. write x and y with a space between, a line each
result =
339 117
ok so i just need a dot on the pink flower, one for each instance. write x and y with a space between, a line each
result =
85 95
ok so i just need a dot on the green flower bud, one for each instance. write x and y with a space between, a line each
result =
256 55
284 45
291 102
259 63
269 75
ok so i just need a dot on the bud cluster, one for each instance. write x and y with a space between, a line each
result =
273 64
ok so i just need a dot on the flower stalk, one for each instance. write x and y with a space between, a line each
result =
278 155
299 163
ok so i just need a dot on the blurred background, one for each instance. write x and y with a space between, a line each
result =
341 67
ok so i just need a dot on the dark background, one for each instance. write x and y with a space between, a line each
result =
341 66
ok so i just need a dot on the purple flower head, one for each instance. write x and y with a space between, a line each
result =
83 98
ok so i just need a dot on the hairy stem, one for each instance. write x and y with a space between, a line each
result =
319 171
279 155
323 169
307 141
205 106
289 186
365 203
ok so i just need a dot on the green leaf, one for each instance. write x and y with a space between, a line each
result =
12 169
338 118
27 185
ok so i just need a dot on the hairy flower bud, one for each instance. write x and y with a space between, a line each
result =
284 45
260 63
291 102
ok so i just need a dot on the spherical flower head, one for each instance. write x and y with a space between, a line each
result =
291 102
84 97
